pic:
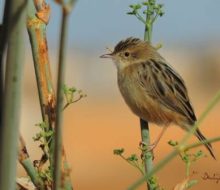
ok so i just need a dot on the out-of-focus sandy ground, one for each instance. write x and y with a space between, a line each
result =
102 122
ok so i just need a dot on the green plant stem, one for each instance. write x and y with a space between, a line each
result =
11 113
168 158
181 147
145 133
147 155
148 26
32 173
69 103
59 104
188 164
27 164
139 17
134 164
37 35
160 165
3 41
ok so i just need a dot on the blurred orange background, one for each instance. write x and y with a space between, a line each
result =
101 122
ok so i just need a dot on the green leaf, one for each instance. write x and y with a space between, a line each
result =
160 5
131 13
118 151
138 6
152 2
199 154
186 158
145 3
161 13
42 125
48 133
135 6
133 157
37 137
173 143
145 12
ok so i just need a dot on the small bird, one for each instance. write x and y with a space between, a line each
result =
152 89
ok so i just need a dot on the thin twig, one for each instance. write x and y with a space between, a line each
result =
61 176
134 164
69 103
59 105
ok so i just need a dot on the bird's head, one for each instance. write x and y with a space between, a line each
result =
130 51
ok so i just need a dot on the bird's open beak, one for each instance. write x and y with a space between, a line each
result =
108 55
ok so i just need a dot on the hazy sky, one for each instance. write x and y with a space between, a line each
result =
97 22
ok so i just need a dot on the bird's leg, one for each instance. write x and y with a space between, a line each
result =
152 146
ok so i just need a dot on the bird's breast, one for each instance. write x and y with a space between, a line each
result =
141 103
138 101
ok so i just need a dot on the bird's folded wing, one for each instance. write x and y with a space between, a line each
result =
161 82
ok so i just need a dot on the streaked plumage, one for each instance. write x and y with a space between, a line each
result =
151 88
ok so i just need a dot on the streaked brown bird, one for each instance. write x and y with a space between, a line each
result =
152 89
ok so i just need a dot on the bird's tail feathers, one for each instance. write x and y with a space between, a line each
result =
200 136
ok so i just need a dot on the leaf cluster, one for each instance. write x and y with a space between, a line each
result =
149 8
188 159
44 137
138 162
72 95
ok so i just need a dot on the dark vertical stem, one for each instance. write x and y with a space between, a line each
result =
59 103
3 41
12 93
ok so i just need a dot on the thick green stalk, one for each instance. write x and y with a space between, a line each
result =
37 34
38 39
32 173
59 103
11 113
3 41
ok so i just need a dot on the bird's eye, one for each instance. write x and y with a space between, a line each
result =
127 54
